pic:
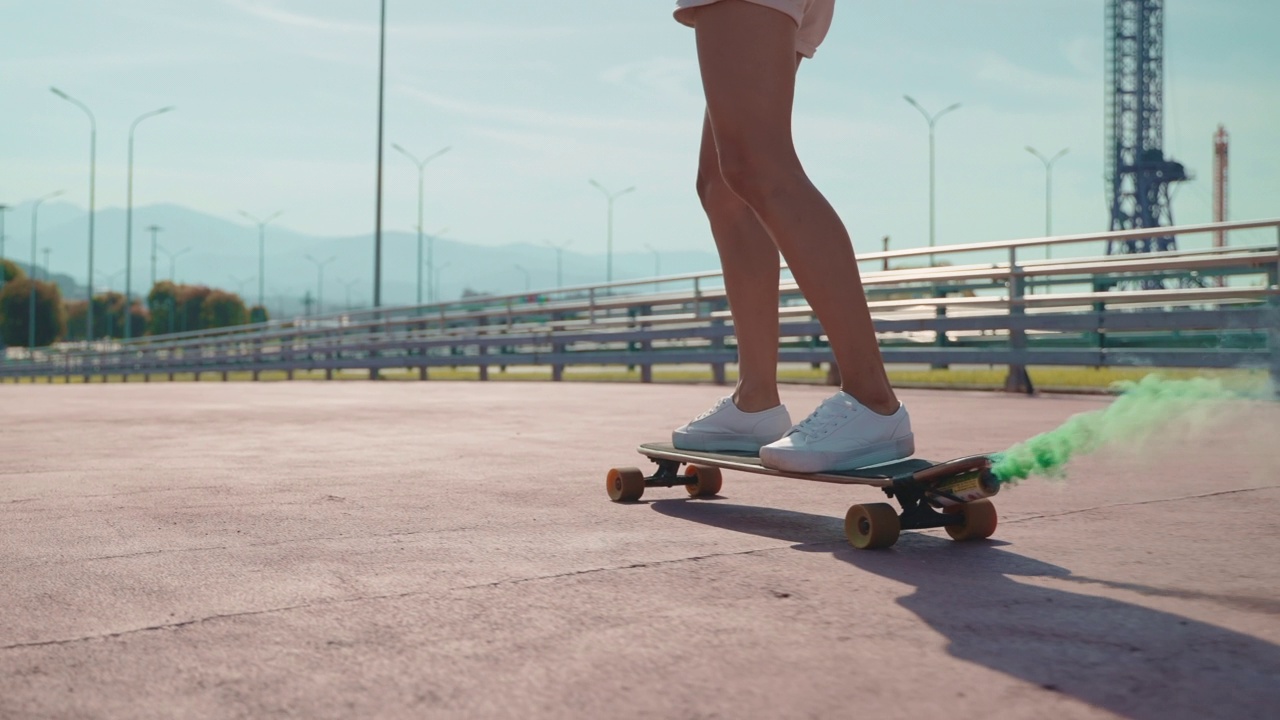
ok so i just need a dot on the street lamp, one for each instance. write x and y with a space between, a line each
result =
526 276
3 209
439 269
262 253
1048 191
93 154
35 214
559 253
241 283
348 284
46 251
608 275
932 120
154 229
128 222
173 261
422 164
320 287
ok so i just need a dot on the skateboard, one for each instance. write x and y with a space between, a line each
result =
953 495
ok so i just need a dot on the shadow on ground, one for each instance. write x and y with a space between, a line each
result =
1131 660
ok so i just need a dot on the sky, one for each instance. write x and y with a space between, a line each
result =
276 110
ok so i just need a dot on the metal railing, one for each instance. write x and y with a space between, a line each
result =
1220 308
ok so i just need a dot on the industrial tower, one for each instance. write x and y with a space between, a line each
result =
1138 173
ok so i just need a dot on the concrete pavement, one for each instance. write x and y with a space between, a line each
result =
405 549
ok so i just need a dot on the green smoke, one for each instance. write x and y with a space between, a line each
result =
1140 410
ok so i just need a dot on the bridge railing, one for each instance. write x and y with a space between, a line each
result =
1215 307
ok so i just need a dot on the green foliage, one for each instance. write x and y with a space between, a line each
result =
109 317
182 308
223 309
9 270
258 314
15 313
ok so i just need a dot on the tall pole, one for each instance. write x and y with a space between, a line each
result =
347 284
377 222
524 272
1048 191
262 253
93 161
422 164
610 197
932 120
46 252
173 263
320 286
35 214
154 229
128 226
559 253
3 209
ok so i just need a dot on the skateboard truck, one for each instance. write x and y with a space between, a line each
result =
944 485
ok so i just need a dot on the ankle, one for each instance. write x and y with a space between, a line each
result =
751 401
881 403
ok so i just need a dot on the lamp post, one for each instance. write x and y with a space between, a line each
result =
93 156
241 283
526 276
128 223
153 229
439 269
1048 191
320 286
35 214
610 197
262 253
422 164
377 214
932 120
559 253
173 261
347 285
46 251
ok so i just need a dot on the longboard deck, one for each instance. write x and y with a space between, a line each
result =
876 475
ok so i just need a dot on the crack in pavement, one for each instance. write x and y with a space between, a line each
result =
554 576
1136 503
366 598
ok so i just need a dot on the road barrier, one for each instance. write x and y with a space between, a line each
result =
1203 308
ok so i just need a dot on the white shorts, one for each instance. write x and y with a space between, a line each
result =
813 18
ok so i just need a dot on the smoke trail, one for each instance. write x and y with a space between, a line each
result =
1139 412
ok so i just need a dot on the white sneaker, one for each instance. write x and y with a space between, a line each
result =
842 434
725 428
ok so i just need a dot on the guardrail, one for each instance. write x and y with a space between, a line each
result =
1220 309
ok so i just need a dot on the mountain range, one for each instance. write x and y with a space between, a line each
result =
207 250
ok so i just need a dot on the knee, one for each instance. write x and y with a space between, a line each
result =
753 177
713 191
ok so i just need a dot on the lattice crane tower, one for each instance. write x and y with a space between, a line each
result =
1138 173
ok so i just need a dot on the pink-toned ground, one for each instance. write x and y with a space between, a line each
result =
358 549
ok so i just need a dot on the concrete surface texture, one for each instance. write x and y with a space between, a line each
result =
358 550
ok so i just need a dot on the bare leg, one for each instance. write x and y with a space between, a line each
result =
750 262
746 53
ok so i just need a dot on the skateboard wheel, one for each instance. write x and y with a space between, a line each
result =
707 481
872 526
625 484
979 520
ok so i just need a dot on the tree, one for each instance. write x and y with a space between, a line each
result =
9 270
163 303
223 309
258 314
15 312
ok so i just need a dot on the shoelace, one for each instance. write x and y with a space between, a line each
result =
713 409
823 420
